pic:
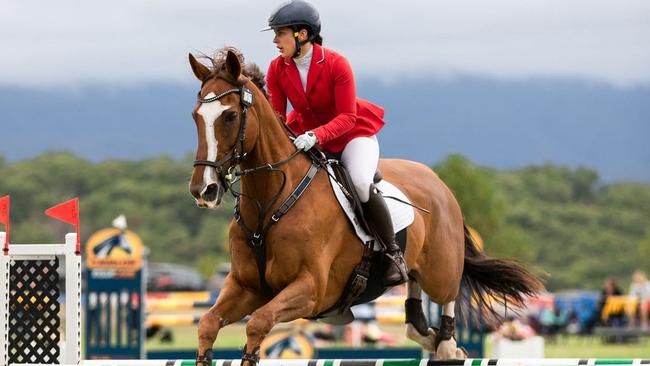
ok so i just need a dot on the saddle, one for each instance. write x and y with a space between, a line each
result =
343 177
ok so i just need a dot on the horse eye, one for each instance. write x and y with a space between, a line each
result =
230 116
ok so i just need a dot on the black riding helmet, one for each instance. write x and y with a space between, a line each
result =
296 14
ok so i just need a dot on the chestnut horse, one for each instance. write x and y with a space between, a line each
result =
312 250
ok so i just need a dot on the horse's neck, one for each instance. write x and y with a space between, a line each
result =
272 145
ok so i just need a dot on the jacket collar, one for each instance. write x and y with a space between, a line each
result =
318 55
316 66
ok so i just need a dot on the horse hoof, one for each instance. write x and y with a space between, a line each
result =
447 350
426 342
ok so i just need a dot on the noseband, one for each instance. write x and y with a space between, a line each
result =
234 156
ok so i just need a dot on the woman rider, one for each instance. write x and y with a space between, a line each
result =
319 84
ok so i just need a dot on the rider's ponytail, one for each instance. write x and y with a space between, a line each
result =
315 38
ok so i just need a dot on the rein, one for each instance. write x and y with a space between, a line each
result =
255 237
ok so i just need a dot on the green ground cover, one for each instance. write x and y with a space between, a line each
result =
565 347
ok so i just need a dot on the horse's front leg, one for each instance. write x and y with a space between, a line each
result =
297 300
233 304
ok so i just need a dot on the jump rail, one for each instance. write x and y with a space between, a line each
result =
380 362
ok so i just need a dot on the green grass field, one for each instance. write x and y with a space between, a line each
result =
593 347
566 347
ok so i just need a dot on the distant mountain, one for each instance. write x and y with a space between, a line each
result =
512 124
494 123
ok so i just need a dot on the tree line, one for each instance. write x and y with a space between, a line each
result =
564 223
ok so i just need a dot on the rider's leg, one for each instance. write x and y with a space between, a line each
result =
377 212
360 157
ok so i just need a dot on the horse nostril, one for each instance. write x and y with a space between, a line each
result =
210 193
195 191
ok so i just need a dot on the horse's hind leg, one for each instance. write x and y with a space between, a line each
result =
416 324
233 304
446 347
439 341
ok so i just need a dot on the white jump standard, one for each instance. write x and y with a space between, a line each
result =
31 299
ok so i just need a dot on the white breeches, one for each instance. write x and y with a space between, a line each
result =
361 156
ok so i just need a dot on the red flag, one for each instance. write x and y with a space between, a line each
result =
67 212
4 219
4 209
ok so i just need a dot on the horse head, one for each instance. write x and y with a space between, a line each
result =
225 129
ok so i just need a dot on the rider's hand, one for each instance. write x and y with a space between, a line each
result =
305 141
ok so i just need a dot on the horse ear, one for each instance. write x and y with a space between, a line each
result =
200 71
233 66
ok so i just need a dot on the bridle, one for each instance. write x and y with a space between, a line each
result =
255 235
234 155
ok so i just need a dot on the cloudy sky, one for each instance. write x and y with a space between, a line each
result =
68 43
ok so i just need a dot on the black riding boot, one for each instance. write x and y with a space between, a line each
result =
378 216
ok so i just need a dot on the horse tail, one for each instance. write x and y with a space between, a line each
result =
489 281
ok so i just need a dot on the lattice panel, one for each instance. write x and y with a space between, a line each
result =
34 307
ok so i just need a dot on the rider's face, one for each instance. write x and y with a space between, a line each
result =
285 42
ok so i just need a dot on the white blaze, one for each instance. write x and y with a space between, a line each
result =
210 112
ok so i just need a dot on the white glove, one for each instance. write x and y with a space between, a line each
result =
305 141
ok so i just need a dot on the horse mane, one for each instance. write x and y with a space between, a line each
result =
251 70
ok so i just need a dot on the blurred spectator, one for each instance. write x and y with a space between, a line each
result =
617 319
640 289
573 325
552 321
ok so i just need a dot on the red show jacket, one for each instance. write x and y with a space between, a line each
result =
330 107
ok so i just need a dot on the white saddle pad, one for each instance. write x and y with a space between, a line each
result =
401 214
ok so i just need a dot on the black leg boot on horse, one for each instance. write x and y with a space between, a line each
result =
378 216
